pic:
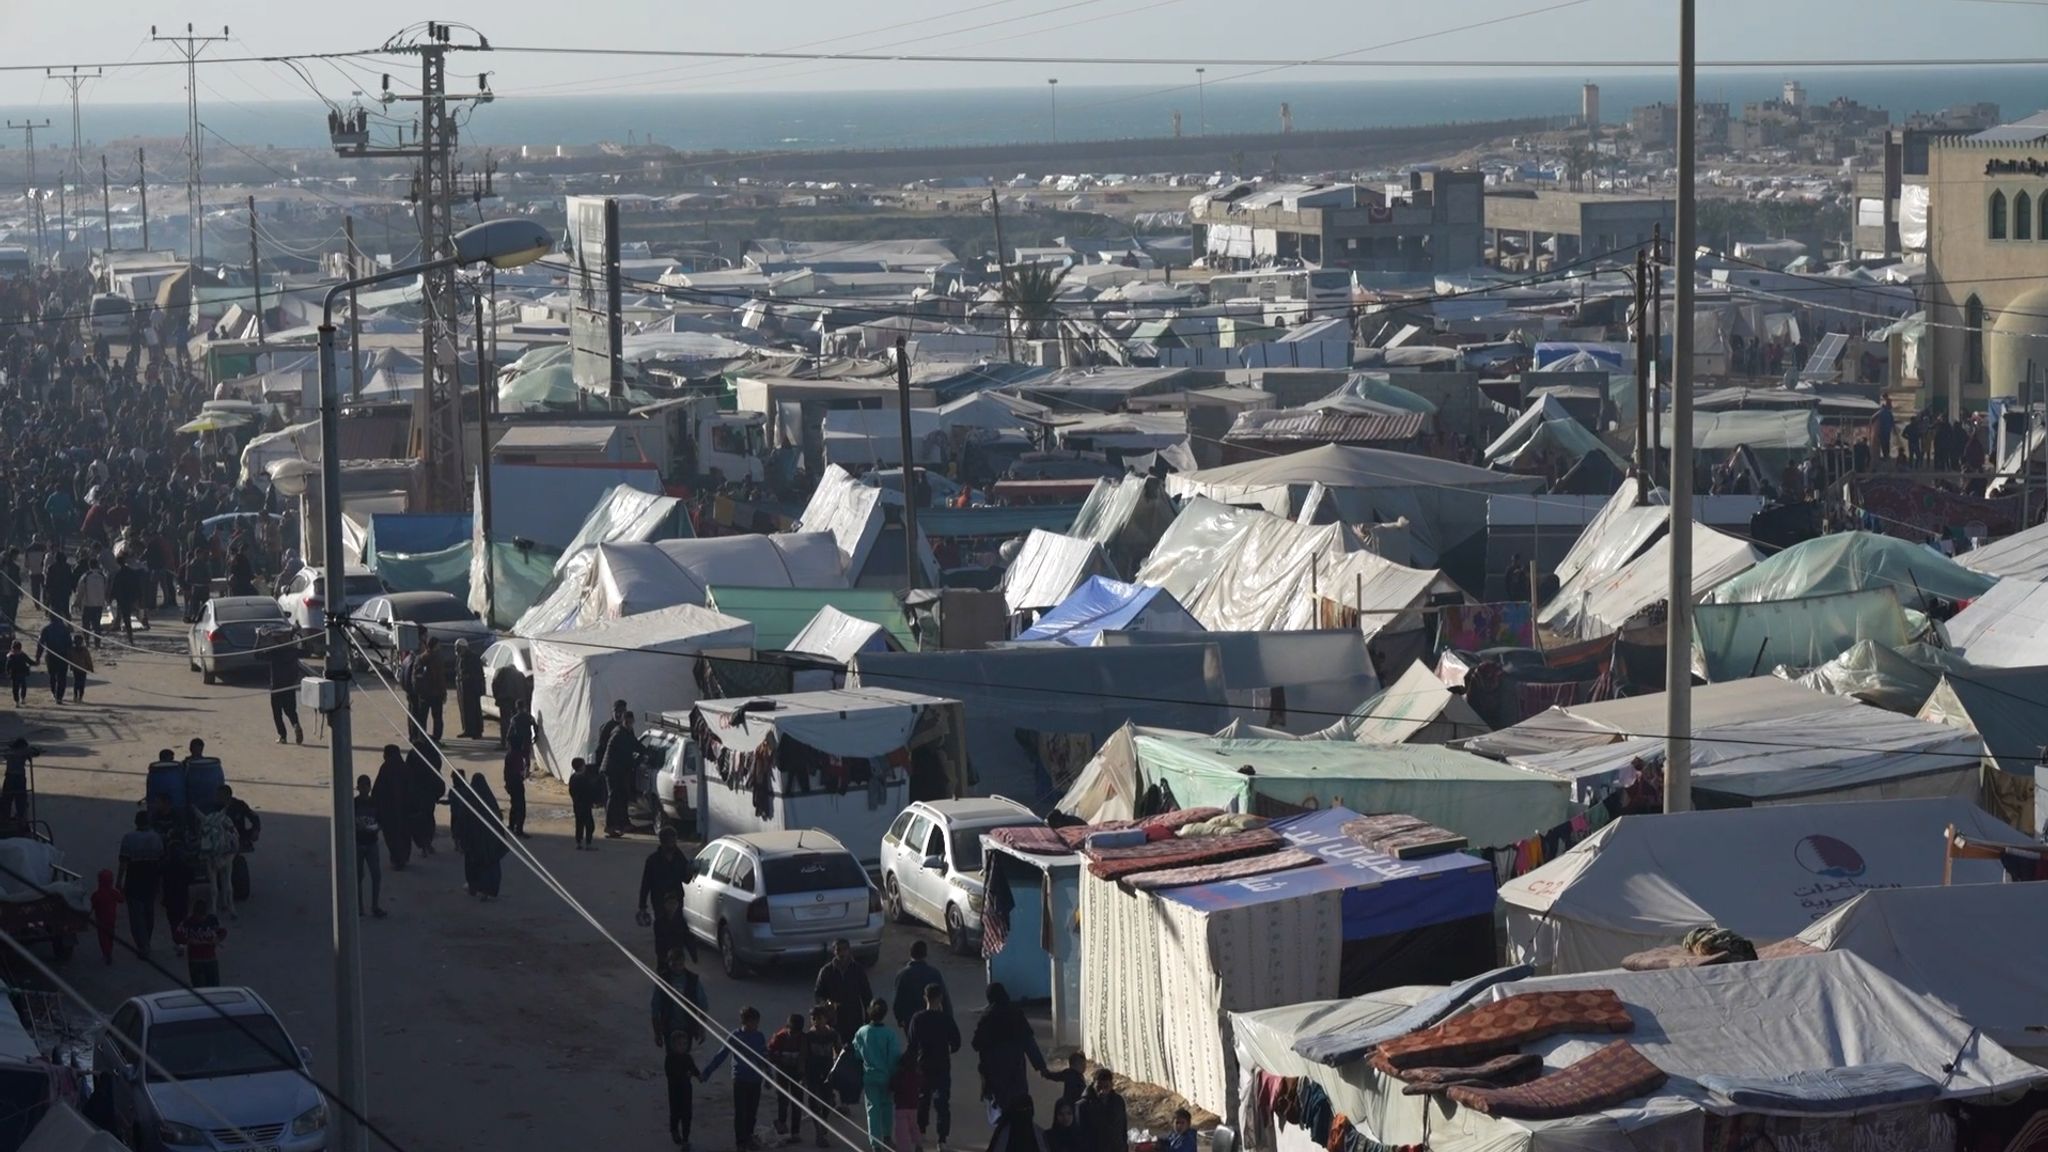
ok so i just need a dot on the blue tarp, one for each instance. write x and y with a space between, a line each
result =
413 533
1549 352
1382 895
1103 605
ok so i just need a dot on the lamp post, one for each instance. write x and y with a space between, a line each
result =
506 243
1201 104
1052 86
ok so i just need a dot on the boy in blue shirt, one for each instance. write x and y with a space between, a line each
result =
746 1075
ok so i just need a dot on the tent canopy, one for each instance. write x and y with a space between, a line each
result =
780 615
1290 682
2023 555
1607 721
2008 707
2007 627
1735 640
640 659
854 514
1852 562
632 577
1416 709
1644 582
1645 881
839 637
1241 569
1048 568
1895 679
1103 605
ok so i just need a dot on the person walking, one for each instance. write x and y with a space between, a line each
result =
106 903
518 735
14 781
248 829
509 688
282 660
469 687
934 1038
666 872
59 581
201 934
786 1054
485 831
53 652
843 983
368 829
217 844
139 874
92 598
880 1050
679 1068
586 792
1005 1044
389 794
746 1075
515 794
1104 1118
912 981
81 663
430 675
619 761
423 792
19 666
129 587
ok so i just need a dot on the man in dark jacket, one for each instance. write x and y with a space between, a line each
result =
430 676
1105 1122
934 1038
285 674
843 983
667 872
618 759
469 685
912 979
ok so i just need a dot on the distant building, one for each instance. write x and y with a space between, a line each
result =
1432 224
1580 223
1654 125
1891 197
1794 95
1987 259
1589 106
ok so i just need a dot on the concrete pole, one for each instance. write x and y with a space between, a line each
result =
1678 638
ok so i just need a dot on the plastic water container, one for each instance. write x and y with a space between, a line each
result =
203 778
166 779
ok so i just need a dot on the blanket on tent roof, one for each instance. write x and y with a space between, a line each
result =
1038 840
1499 1072
1244 866
1117 863
1608 1077
1341 1047
1504 1026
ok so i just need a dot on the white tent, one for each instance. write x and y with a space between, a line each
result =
1645 581
1643 882
1976 948
1243 570
853 513
643 660
635 577
1855 752
623 514
833 635
1386 596
1558 728
2022 556
1416 709
2006 627
1763 1021
1048 568
1617 535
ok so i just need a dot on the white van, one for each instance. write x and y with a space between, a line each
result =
110 315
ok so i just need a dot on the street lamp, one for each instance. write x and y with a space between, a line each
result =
1201 104
505 243
1053 86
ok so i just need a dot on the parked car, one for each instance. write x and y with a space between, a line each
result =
112 316
304 600
764 897
931 863
231 632
438 614
513 651
220 1073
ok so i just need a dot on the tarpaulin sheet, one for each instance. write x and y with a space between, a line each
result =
1416 709
1646 581
626 578
833 635
1793 431
1127 516
1879 676
1047 568
1241 570
413 532
1732 641
548 505
2023 555
1295 682
1617 535
2006 627
1381 894
1644 881
1848 562
2007 707
851 511
1103 605
1385 595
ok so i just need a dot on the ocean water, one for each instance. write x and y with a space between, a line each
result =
770 119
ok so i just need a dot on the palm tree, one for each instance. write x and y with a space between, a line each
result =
1030 294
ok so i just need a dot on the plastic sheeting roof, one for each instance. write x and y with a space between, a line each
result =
1101 605
628 578
1324 673
1607 721
1486 802
1644 881
1732 641
623 514
850 510
1617 535
1418 708
1895 679
833 635
1544 427
2008 707
1242 570
1048 568
780 615
1342 466
1996 982
864 722
1838 753
640 659
2007 627
2023 555
1646 581
1797 430
1125 515
549 505
1383 592
1850 561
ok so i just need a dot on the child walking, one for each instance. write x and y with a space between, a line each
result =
18 668
106 908
680 1068
786 1053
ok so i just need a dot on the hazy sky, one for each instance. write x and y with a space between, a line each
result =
58 32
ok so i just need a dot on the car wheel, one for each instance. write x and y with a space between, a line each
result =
729 955
892 900
956 931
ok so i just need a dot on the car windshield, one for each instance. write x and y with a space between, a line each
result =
967 845
435 612
239 613
218 1046
813 872
363 586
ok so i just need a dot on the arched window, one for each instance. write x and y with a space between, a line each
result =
2042 231
1973 340
2022 217
1997 215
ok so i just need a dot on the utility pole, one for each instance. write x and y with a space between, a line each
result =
106 202
433 196
74 80
142 185
192 46
910 572
33 194
1643 481
355 323
1201 104
995 208
484 395
1678 634
1052 85
1657 445
255 271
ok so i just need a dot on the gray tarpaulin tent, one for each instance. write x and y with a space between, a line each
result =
1036 715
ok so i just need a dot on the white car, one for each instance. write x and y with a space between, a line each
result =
513 651
931 862
439 615
220 1073
304 600
763 897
